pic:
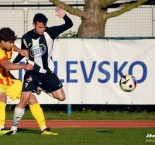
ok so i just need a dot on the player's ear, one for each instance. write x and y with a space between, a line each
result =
33 24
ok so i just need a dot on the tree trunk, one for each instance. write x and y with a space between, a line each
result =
95 15
94 24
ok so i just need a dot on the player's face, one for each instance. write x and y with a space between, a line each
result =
39 27
7 45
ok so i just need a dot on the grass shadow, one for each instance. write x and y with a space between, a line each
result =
25 130
105 131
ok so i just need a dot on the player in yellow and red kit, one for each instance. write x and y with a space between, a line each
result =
10 86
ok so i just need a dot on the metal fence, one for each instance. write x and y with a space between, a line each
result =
18 15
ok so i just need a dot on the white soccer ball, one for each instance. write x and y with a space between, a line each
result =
128 83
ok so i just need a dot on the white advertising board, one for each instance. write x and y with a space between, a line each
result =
90 70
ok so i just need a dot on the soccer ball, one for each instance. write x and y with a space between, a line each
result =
128 83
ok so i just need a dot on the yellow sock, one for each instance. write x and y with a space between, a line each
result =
2 113
38 114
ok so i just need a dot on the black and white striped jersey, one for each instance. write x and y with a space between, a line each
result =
40 46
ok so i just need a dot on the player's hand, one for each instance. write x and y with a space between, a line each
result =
28 66
24 52
60 11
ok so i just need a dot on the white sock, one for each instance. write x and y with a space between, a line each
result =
1 127
18 114
42 128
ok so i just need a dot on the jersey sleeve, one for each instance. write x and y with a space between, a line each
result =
56 30
24 44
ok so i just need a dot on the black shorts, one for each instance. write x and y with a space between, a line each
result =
49 81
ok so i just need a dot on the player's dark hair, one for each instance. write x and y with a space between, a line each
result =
40 18
7 34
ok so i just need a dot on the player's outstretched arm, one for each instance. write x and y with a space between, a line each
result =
11 66
56 30
22 52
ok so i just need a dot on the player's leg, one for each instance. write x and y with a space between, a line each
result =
27 97
9 91
2 109
59 94
28 86
54 86
3 98
19 110
15 93
38 114
35 108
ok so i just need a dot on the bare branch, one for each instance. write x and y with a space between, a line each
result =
106 3
69 9
126 8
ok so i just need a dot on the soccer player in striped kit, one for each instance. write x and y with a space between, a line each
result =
39 43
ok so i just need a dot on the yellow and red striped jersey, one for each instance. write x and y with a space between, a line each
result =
5 75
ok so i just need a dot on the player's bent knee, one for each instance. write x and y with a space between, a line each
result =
24 99
32 100
61 98
59 94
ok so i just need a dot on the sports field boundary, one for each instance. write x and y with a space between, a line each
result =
87 124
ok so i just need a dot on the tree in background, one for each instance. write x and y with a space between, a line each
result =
95 14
